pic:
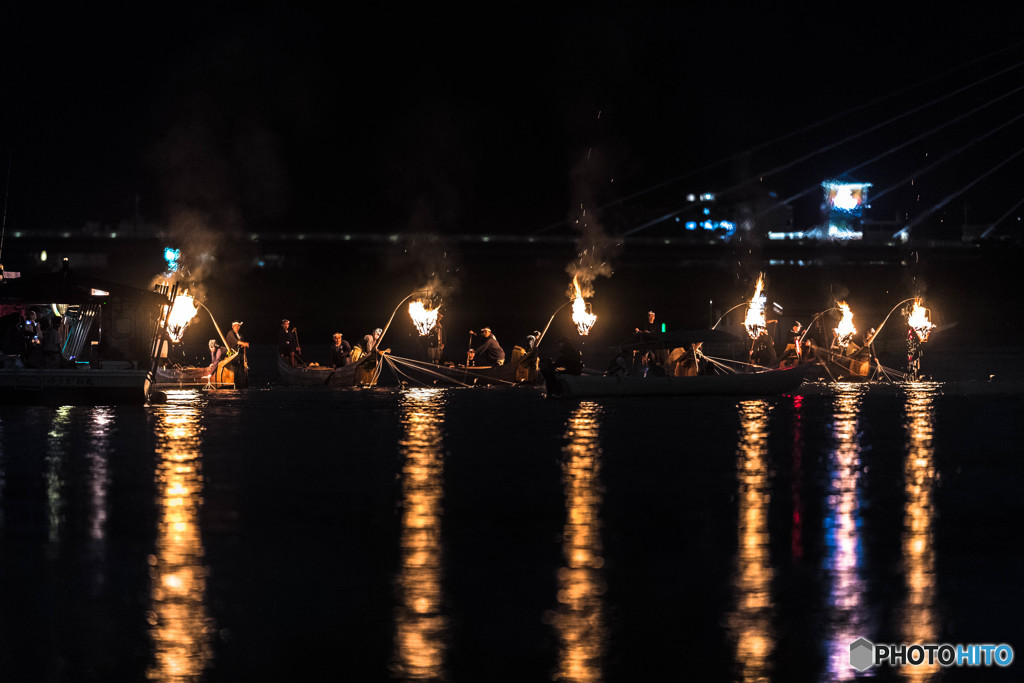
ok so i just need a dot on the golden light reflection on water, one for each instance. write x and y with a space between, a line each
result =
579 618
919 621
101 420
420 623
847 614
750 622
56 447
180 623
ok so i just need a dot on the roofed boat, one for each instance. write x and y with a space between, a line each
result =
103 348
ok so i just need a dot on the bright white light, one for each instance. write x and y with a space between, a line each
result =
845 200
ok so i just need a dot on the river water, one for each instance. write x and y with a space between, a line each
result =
493 534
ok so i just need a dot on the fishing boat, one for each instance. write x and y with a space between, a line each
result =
421 373
364 372
755 383
100 340
230 373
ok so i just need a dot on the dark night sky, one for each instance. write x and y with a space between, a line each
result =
274 116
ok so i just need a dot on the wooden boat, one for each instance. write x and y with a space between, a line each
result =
760 383
421 373
364 372
230 373
851 366
105 341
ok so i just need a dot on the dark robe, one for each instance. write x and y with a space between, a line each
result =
490 352
762 352
287 342
570 360
340 354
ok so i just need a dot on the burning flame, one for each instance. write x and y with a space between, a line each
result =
755 321
581 314
423 319
182 313
845 330
919 322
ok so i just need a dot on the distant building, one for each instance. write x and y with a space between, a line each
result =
843 208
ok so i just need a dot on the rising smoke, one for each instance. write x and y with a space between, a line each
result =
594 247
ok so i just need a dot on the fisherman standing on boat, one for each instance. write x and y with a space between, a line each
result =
435 341
524 357
762 351
649 328
288 342
793 351
490 352
340 351
234 338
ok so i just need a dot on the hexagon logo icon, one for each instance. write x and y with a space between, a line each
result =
862 653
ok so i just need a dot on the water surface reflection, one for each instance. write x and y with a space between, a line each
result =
101 422
750 622
56 447
180 623
919 619
420 623
847 614
580 619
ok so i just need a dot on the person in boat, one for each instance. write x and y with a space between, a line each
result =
651 366
648 327
369 342
762 351
234 338
869 345
217 353
570 359
619 365
435 341
288 342
490 352
341 351
524 357
793 352
914 352
30 332
31 327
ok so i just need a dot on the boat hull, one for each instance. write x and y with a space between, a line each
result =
73 386
765 383
429 374
360 373
228 375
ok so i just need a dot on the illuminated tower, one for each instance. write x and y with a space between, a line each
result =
844 208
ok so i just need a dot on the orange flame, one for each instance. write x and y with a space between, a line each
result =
919 322
755 320
423 319
182 313
845 330
581 314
